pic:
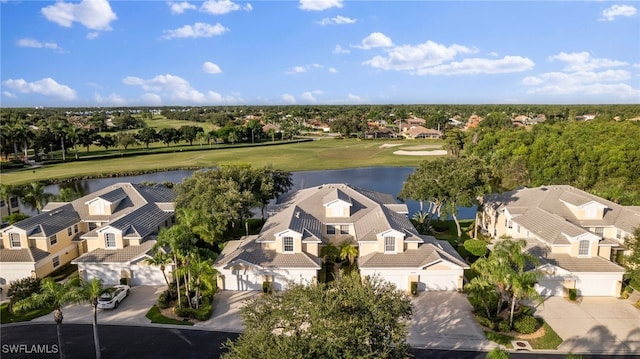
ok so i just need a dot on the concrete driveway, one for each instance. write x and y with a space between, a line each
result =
595 325
226 311
444 320
131 311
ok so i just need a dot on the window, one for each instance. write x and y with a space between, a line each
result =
69 231
92 226
110 240
56 261
518 228
583 248
389 244
14 238
344 229
599 230
14 202
75 228
287 244
2 204
618 234
510 225
53 239
591 212
331 229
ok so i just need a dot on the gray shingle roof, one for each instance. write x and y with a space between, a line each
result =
124 255
113 196
142 221
25 255
48 223
248 250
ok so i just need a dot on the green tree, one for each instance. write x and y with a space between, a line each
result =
126 139
35 196
632 261
348 252
92 291
147 135
7 192
160 259
56 295
454 142
67 195
190 133
351 317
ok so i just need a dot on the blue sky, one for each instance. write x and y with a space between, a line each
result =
219 52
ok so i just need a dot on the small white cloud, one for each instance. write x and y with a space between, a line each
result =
151 99
27 42
354 98
582 61
309 96
179 90
614 11
375 39
199 29
92 14
338 20
319 5
113 100
211 68
180 7
220 7
46 87
339 50
332 70
493 53
301 69
92 35
413 58
608 82
475 66
288 98
8 94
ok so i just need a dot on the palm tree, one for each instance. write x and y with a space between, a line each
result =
35 195
349 252
160 259
329 254
422 219
56 295
92 291
203 274
7 191
522 287
180 241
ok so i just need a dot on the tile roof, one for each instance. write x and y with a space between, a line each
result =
248 250
25 255
426 254
581 265
46 224
124 255
142 221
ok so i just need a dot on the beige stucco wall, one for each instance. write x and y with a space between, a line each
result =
604 252
411 245
297 243
45 266
24 243
439 266
367 248
561 249
310 248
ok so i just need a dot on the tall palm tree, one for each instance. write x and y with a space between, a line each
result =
203 274
35 195
348 252
92 291
56 295
8 191
180 241
522 287
160 259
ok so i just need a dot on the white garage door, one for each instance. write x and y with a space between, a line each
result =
10 273
244 281
597 285
147 275
435 282
109 276
400 281
550 287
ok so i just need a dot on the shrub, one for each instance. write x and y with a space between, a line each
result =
124 281
186 312
527 310
414 288
498 353
485 322
267 287
573 294
526 324
164 299
23 288
504 326
476 247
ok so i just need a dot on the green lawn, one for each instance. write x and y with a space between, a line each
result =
316 155
6 317
156 317
550 339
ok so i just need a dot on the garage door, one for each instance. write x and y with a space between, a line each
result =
243 282
12 273
108 275
596 286
145 275
435 282
400 281
550 287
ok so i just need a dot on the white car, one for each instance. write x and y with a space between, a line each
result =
111 297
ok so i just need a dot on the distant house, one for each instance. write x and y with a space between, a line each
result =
380 132
586 117
106 233
7 208
576 235
288 247
418 132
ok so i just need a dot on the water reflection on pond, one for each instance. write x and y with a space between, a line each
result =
383 179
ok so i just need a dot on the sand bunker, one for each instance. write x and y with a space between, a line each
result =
422 147
421 153
387 145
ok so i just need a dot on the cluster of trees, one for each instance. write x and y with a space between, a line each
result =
33 195
351 317
599 156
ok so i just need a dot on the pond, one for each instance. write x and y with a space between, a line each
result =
382 179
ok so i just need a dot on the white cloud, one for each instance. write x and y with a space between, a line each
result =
339 50
151 99
211 68
92 35
332 70
480 66
199 29
494 54
9 94
288 98
309 96
92 14
180 7
338 20
375 39
301 69
46 87
609 14
178 90
608 82
319 5
582 61
413 58
220 7
27 42
113 100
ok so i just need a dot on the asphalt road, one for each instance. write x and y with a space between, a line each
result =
141 342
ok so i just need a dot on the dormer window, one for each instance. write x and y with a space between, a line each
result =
14 240
109 240
389 244
583 248
287 245
591 212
